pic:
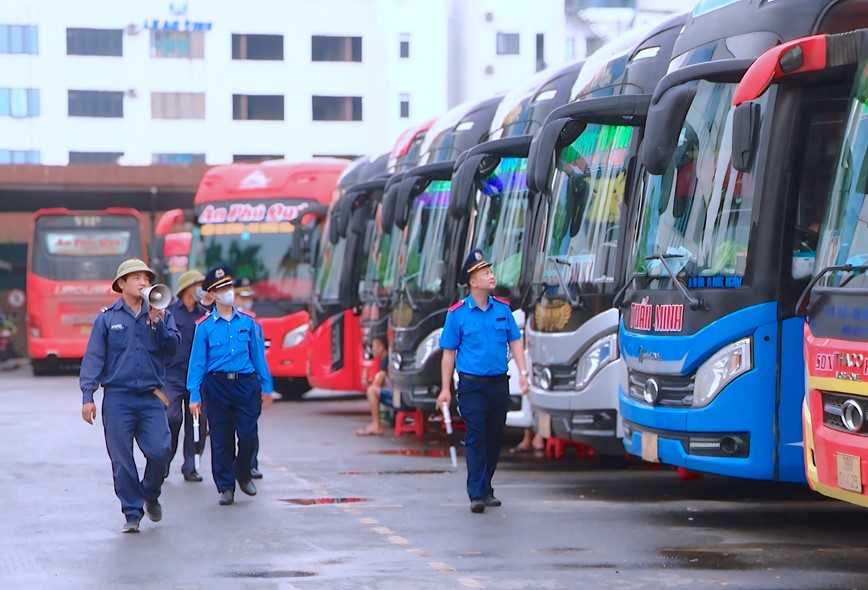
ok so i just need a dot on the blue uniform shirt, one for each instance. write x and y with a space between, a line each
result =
185 320
481 337
125 353
219 346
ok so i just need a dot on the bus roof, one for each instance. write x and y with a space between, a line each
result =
312 179
67 212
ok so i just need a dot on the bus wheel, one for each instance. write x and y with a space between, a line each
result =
291 389
43 367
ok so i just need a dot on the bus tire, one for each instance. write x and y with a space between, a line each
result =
291 389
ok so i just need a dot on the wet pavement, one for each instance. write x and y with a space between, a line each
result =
336 511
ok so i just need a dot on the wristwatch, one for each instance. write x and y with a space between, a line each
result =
523 373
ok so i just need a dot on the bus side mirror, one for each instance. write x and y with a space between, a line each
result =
463 187
745 130
577 200
334 230
542 148
663 126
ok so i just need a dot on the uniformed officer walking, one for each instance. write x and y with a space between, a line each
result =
475 337
228 371
186 309
126 354
244 293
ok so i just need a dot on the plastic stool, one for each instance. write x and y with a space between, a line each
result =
556 448
412 421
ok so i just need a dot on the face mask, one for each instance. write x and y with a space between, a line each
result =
226 298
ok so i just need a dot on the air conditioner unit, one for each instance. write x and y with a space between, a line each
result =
132 93
133 29
489 69
489 16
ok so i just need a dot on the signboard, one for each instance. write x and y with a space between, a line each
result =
659 318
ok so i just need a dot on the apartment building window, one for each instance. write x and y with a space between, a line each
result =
95 103
507 44
178 159
19 39
337 108
188 44
325 48
261 107
105 42
405 106
540 52
404 45
253 158
95 157
177 105
20 157
258 47
19 102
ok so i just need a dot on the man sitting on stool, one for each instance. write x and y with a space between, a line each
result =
378 391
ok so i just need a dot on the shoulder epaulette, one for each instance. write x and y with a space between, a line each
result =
456 305
105 309
503 300
203 318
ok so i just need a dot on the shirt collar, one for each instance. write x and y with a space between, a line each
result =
471 302
216 314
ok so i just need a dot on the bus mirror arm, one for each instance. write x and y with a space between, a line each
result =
803 305
618 302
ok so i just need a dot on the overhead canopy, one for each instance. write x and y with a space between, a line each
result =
146 188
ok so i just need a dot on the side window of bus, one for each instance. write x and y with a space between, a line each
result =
821 141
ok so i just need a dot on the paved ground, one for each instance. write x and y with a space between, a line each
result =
336 511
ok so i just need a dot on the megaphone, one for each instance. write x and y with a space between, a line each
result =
157 296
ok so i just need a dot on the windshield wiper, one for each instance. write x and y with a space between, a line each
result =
575 300
405 289
692 302
802 304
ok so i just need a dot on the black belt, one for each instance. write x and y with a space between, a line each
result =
484 378
234 376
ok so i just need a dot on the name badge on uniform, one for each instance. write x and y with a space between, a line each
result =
116 327
501 319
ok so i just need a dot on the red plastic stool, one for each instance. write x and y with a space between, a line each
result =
556 448
412 421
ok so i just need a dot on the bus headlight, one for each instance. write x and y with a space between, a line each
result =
430 345
294 337
601 353
719 370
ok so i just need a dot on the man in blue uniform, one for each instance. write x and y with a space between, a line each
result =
126 354
186 309
244 293
228 371
475 337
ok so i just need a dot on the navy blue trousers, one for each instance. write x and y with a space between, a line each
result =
233 409
179 414
483 406
140 417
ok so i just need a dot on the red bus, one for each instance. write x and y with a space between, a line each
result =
170 256
72 261
264 220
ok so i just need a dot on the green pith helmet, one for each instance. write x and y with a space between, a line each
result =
188 279
130 266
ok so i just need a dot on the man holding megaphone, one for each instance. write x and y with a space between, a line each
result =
126 355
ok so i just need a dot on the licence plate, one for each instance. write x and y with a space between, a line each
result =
849 472
544 428
649 448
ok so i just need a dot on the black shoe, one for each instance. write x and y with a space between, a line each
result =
490 500
255 473
154 510
192 476
227 497
477 506
247 487
132 525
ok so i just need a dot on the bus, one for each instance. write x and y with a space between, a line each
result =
264 220
836 331
336 359
71 264
708 330
585 168
489 200
170 247
424 284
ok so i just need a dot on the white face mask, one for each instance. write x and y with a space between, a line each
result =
226 298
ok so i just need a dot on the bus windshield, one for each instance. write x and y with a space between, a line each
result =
425 240
84 247
845 228
382 263
498 231
328 274
698 213
255 239
587 194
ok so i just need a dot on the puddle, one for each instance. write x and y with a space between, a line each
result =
559 550
315 501
399 472
709 559
270 574
412 452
